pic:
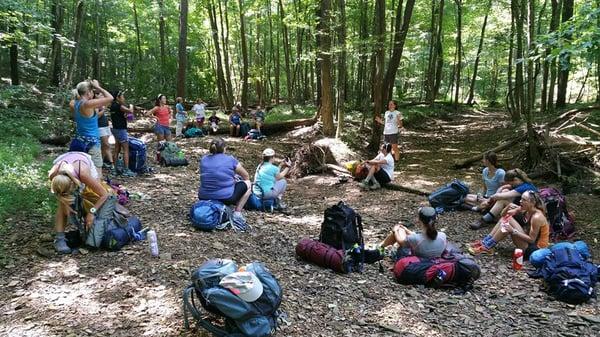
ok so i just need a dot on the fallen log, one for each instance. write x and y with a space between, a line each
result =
267 129
568 114
398 187
467 162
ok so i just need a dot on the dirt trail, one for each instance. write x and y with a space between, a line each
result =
129 293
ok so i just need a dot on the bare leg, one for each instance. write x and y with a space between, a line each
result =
125 147
240 204
396 152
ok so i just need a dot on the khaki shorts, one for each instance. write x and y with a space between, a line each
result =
96 155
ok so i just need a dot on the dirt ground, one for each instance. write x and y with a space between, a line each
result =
130 293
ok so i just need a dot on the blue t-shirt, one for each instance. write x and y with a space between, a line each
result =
180 116
266 176
524 187
235 118
492 183
217 173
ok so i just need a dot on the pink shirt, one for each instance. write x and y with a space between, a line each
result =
163 115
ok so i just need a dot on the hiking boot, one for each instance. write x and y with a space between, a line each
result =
238 222
478 224
364 184
129 173
476 250
60 245
107 166
375 186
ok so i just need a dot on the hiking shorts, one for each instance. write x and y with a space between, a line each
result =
104 131
96 154
121 135
162 130
392 139
239 190
382 177
532 247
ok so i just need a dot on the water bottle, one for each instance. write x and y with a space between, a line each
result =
518 259
153 242
439 278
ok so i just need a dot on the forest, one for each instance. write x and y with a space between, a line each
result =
518 77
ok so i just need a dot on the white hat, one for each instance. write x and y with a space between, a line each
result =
244 284
268 152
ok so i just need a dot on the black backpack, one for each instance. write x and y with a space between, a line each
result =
449 197
342 227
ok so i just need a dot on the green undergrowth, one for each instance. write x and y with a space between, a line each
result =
282 113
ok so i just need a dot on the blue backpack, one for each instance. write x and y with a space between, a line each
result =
258 318
137 155
256 203
568 277
449 197
207 215
114 239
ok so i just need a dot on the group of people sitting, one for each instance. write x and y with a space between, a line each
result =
236 119
511 202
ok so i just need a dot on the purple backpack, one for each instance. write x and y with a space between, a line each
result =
562 223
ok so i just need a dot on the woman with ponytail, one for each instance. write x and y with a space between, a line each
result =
517 182
162 111
535 233
69 175
219 178
429 244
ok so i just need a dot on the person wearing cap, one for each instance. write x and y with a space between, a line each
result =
218 178
243 284
270 179
70 173
118 115
381 169
162 111
430 244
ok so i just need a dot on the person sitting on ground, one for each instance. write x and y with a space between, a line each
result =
430 244
218 173
180 117
235 121
214 122
259 118
87 138
517 182
270 179
493 177
70 173
199 109
118 115
381 168
531 213
162 111
104 131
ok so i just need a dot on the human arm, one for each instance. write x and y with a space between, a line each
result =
505 195
284 168
399 119
401 234
97 102
151 111
125 109
537 221
239 169
378 119
96 186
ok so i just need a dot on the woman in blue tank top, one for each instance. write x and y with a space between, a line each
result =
87 138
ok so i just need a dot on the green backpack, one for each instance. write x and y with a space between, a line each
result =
171 155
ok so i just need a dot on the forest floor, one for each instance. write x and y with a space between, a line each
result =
129 293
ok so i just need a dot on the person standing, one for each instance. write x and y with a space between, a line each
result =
104 130
199 110
87 138
392 124
162 128
180 117
118 115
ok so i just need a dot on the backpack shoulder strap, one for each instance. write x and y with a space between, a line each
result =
189 306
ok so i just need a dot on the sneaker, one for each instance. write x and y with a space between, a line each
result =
375 186
478 224
129 173
364 184
475 243
476 250
60 245
107 166
238 222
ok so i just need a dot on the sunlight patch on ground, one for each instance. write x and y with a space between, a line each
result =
418 183
397 315
24 330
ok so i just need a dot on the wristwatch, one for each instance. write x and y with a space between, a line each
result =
93 210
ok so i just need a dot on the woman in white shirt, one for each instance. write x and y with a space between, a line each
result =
392 125
198 108
381 169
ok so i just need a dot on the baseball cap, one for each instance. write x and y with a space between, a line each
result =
269 152
244 284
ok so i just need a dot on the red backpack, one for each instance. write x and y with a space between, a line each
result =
454 271
562 223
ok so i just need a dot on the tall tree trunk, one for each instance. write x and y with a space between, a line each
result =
530 64
277 69
538 62
326 108
96 50
519 89
341 87
57 23
244 57
379 34
564 60
458 52
225 103
161 32
553 67
479 49
14 60
227 63
439 53
399 39
76 37
137 32
286 51
362 96
182 52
